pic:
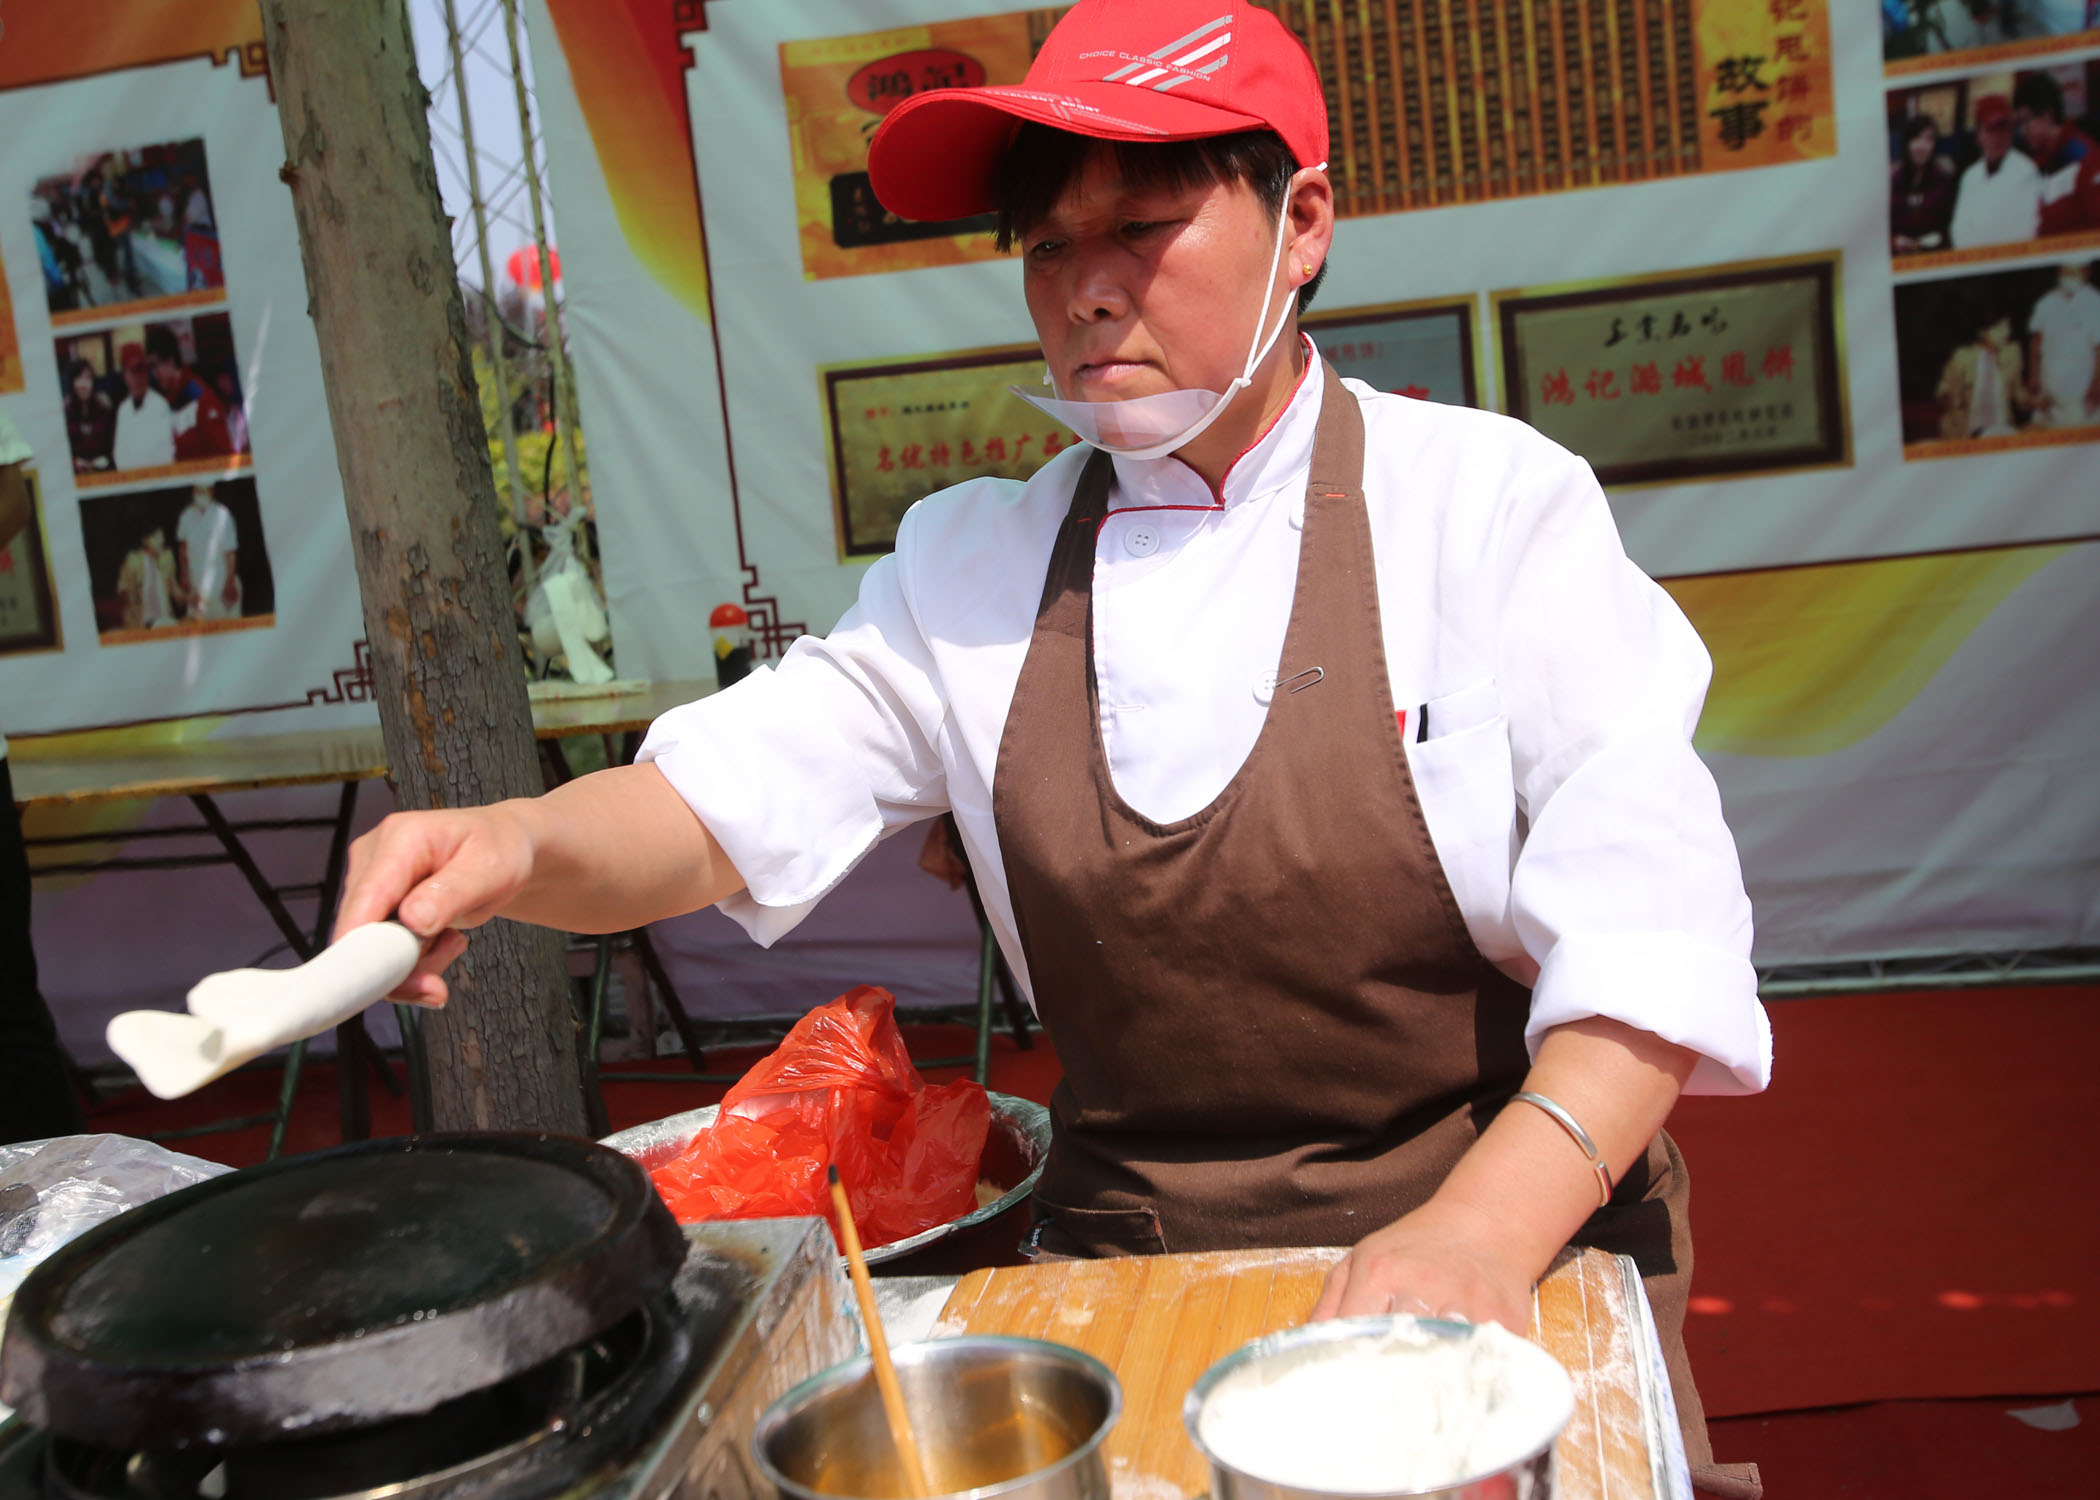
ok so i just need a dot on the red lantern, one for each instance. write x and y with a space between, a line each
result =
523 267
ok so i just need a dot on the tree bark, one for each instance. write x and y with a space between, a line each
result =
414 457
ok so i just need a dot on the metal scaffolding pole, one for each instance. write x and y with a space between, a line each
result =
557 347
492 318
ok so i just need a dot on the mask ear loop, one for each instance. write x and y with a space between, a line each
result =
1258 349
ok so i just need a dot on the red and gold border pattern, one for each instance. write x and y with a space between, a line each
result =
51 43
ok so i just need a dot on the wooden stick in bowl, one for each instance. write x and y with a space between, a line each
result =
879 1345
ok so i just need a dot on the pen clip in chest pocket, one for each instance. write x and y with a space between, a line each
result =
1458 754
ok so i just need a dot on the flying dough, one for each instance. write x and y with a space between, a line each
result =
238 1016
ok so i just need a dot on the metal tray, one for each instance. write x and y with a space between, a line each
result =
1020 1136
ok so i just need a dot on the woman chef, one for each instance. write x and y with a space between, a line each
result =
1324 761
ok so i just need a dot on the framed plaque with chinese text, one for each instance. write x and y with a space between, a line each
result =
900 431
28 609
837 90
1725 371
1419 349
10 342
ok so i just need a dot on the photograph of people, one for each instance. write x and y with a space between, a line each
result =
148 584
197 413
2063 350
1999 201
1404 910
171 390
207 558
1983 388
1921 191
1913 28
128 226
185 559
91 420
145 424
2066 157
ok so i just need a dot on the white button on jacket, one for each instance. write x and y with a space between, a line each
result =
1581 835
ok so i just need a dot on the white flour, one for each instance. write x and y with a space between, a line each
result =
1389 1413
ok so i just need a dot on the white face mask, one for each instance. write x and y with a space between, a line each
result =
1154 426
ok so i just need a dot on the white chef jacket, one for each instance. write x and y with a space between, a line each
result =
2068 319
145 432
206 533
1997 208
1581 835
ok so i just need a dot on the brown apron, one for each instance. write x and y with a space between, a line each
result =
1274 1026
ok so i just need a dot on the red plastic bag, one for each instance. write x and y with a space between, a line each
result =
840 1088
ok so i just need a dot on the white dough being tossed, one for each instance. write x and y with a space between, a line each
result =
1390 1412
238 1016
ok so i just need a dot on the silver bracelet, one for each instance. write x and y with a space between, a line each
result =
1576 1134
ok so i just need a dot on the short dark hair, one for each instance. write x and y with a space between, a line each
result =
160 344
1917 125
1043 162
2039 94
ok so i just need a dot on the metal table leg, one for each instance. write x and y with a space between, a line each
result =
653 965
594 1022
351 1042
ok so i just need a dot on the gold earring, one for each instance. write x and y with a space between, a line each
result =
1305 270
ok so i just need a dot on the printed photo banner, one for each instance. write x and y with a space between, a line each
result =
1920 36
165 373
1429 104
1739 212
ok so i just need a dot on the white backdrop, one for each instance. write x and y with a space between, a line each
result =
298 662
1850 844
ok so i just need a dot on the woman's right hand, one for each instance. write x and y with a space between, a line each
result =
436 873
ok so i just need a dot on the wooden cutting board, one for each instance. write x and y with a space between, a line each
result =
1160 1321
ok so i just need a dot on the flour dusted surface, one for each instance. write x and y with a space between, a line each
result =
1397 1411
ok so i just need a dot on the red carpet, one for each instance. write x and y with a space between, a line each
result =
1907 1215
1921 1450
1909 1211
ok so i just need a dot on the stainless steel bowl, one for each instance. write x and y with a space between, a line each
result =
993 1416
1014 1151
1526 1476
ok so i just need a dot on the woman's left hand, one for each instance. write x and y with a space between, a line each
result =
1434 1263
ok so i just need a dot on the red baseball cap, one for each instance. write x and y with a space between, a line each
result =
1117 70
1992 109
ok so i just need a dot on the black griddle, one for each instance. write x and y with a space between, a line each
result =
335 1291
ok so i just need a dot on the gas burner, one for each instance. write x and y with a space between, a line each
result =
535 1435
452 1318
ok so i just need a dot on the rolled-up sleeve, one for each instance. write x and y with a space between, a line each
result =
1626 890
798 771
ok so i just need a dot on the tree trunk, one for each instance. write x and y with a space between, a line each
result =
415 463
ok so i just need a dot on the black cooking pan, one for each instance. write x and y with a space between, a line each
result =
334 1290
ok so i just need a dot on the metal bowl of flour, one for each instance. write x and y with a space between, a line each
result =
1353 1408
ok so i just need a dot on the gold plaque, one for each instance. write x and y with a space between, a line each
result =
1730 370
900 431
28 609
